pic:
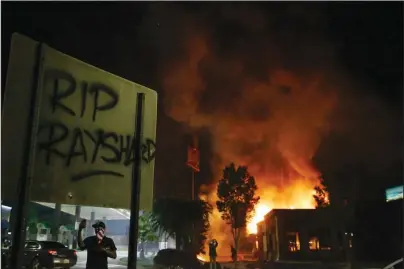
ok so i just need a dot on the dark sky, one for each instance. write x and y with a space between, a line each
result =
127 39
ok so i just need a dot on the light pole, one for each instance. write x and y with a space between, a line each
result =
193 163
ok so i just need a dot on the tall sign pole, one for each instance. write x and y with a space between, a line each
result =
193 163
25 181
136 177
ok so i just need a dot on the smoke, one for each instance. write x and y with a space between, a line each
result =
266 84
261 84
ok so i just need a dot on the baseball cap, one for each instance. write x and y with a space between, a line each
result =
99 224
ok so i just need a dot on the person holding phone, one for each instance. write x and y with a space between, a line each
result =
212 253
99 247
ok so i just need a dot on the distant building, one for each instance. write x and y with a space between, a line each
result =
303 235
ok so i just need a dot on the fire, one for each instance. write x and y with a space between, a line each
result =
270 117
201 258
260 211
298 195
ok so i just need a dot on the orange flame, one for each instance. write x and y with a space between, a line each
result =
261 210
296 196
201 258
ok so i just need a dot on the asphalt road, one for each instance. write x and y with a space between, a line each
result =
82 259
111 266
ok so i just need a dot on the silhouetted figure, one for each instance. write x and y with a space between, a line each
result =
212 253
233 253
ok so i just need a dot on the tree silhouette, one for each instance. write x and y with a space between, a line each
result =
236 199
188 221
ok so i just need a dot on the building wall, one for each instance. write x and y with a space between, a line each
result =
303 235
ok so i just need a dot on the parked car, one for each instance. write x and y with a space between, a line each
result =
47 254
178 259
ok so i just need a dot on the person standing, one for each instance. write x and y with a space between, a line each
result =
99 247
233 253
212 253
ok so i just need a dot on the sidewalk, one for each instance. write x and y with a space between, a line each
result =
82 256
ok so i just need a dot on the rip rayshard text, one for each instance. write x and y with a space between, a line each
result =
85 145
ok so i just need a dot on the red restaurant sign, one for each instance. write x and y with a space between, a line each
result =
193 159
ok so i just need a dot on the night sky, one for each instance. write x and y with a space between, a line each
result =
139 41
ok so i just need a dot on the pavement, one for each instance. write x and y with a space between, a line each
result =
82 259
112 264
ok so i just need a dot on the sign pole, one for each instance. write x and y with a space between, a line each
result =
23 190
136 178
193 184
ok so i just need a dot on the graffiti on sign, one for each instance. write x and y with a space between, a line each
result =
85 144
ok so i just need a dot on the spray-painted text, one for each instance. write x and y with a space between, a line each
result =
86 145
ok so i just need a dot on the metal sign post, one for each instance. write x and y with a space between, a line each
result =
24 183
136 184
193 163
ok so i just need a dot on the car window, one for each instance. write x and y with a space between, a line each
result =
32 245
52 245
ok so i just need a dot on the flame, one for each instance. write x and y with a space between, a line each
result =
261 210
201 258
298 195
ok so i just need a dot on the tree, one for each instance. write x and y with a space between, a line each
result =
188 221
321 196
236 199
147 231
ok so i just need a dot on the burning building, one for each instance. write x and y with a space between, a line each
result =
264 97
303 234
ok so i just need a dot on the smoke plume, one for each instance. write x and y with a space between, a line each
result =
266 84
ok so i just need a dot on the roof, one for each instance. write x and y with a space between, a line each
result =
322 216
283 212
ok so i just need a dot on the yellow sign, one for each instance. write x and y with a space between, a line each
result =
84 131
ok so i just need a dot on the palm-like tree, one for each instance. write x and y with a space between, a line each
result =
188 221
147 231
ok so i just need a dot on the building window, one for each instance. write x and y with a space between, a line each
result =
325 238
314 243
293 241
